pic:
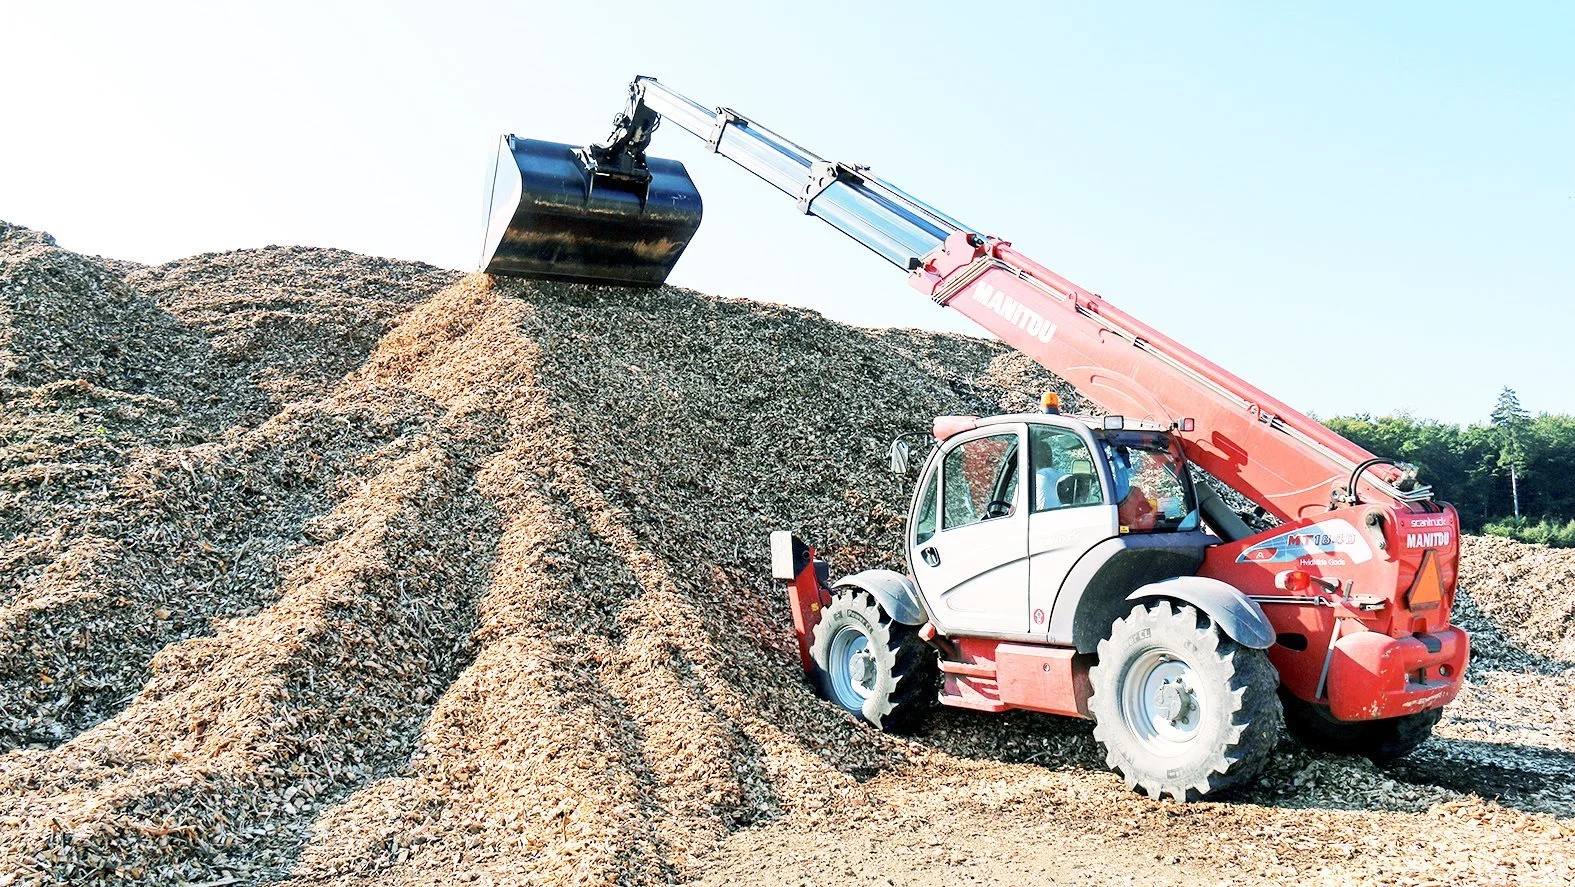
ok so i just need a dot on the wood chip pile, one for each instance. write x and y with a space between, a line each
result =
1527 589
325 568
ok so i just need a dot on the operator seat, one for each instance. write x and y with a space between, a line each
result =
1078 489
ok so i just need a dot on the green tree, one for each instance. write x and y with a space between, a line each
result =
1457 462
1474 466
1547 485
1507 412
1510 418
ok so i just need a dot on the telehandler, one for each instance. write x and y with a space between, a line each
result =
1080 566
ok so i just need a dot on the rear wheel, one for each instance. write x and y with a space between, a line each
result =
1182 710
872 665
1382 741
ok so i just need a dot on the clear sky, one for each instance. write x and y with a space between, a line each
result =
1363 207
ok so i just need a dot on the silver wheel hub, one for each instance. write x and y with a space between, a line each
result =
1172 701
861 668
854 671
1161 702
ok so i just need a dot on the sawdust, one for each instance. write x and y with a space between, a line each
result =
398 577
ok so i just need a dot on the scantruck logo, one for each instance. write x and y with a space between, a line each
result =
1429 532
1015 312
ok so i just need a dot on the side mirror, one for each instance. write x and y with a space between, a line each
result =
900 454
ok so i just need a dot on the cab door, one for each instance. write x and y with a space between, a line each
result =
968 539
1070 510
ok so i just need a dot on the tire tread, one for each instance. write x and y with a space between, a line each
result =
1250 679
915 671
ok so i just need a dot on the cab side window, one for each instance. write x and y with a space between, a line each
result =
1063 471
924 520
979 480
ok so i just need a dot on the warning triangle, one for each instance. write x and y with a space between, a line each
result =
1427 591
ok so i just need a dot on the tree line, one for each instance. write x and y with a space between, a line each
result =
1511 477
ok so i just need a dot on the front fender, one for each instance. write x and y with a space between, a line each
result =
1240 616
896 593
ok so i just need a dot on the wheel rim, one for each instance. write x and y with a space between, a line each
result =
853 668
1161 701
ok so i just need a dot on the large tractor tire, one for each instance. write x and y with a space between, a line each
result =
1382 741
1181 709
871 665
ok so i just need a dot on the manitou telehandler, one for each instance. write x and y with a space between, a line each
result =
1062 564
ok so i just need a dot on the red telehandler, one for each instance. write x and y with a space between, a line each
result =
1072 565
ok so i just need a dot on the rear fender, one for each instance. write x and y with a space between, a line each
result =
896 593
1238 615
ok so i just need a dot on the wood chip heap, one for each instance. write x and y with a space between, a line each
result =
323 568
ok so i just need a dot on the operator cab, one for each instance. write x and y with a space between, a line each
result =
1006 505
1152 486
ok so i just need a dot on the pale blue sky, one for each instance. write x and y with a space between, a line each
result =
1358 207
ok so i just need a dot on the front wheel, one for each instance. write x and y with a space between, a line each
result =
1382 741
872 665
1181 709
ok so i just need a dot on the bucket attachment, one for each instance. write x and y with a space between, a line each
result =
558 214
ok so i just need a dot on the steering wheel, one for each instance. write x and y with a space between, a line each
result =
997 508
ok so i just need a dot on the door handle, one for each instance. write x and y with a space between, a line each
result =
930 555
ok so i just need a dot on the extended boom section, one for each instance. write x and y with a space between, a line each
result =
846 196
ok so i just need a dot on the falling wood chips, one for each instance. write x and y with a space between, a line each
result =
328 568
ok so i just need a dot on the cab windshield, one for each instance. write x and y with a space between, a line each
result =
1153 491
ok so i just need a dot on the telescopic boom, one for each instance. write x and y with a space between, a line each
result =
606 213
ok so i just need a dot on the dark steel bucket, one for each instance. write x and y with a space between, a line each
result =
553 218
